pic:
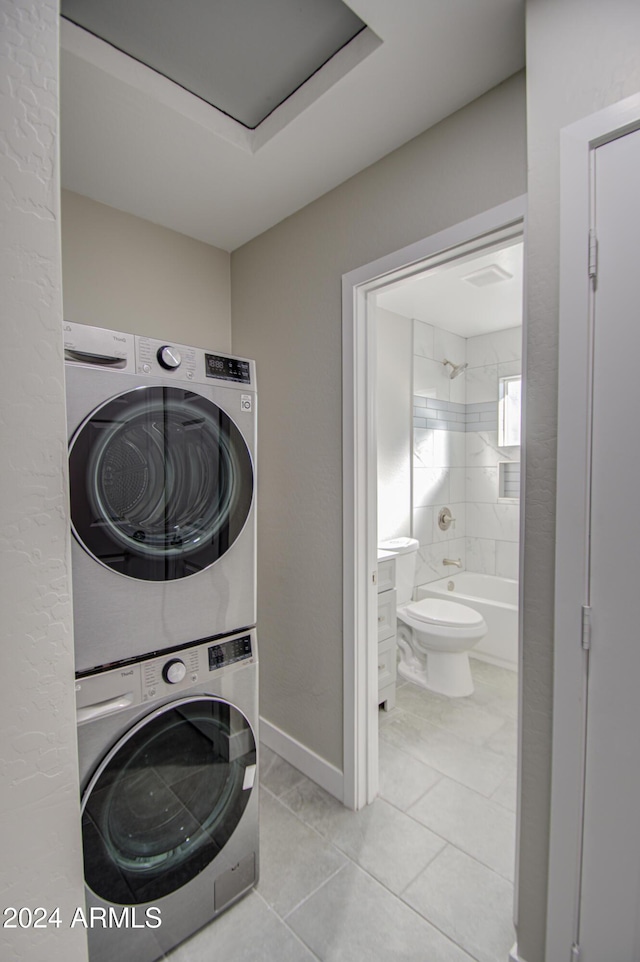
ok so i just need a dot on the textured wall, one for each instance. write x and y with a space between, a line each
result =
39 817
127 274
286 295
582 55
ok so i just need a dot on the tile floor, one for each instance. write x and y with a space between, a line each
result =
424 874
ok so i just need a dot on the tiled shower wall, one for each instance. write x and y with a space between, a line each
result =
456 455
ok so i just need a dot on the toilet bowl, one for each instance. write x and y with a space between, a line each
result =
434 635
434 639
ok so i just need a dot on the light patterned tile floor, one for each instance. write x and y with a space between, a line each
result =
424 874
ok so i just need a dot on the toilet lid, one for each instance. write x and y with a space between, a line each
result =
435 611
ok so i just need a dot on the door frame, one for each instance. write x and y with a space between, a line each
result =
360 707
578 142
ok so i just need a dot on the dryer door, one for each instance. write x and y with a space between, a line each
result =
161 483
166 799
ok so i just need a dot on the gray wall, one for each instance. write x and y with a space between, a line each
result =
582 55
286 295
127 274
39 819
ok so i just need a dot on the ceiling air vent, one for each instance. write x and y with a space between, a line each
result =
492 274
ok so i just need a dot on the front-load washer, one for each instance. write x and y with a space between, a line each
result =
168 755
162 453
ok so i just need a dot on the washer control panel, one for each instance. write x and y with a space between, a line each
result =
180 670
229 652
174 671
146 681
184 668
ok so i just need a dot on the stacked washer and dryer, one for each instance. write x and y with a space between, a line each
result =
162 453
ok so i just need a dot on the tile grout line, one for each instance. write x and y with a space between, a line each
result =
394 895
375 879
398 896
483 744
318 888
502 717
485 798
435 926
287 926
457 780
352 861
443 838
405 811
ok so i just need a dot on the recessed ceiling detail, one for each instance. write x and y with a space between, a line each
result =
242 57
137 141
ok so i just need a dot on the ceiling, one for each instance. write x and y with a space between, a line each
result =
477 294
133 139
243 57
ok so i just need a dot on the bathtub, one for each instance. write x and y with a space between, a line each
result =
497 601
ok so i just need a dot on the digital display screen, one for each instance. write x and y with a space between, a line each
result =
227 368
229 652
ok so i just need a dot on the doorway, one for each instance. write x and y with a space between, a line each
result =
364 291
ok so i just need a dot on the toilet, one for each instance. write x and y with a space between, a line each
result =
434 635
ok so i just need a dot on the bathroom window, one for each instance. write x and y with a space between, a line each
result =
509 411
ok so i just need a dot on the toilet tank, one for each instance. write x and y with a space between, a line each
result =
406 553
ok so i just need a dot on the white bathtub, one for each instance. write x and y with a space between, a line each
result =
497 601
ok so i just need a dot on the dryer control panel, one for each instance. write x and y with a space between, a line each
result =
149 357
184 363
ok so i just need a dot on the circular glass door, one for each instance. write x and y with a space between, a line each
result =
161 483
166 800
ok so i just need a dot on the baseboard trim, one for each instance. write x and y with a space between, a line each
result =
304 759
513 954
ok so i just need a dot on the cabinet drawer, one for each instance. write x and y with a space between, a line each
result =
386 574
386 665
386 615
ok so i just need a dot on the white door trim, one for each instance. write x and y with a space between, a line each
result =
577 143
360 481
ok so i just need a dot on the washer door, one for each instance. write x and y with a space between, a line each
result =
166 800
161 483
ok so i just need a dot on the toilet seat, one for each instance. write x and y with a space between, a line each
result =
443 613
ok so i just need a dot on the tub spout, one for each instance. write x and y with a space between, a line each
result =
452 561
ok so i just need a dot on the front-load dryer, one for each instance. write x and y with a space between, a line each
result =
167 752
162 454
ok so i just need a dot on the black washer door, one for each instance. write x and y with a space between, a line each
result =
166 800
161 483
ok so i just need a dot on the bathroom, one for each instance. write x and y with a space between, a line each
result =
448 401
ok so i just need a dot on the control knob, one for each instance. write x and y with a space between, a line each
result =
169 357
174 671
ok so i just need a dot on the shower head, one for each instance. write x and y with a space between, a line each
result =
456 369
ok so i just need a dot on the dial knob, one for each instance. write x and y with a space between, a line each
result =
174 671
169 357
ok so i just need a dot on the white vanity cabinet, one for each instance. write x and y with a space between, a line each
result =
386 630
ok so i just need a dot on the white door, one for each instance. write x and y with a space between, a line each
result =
610 899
